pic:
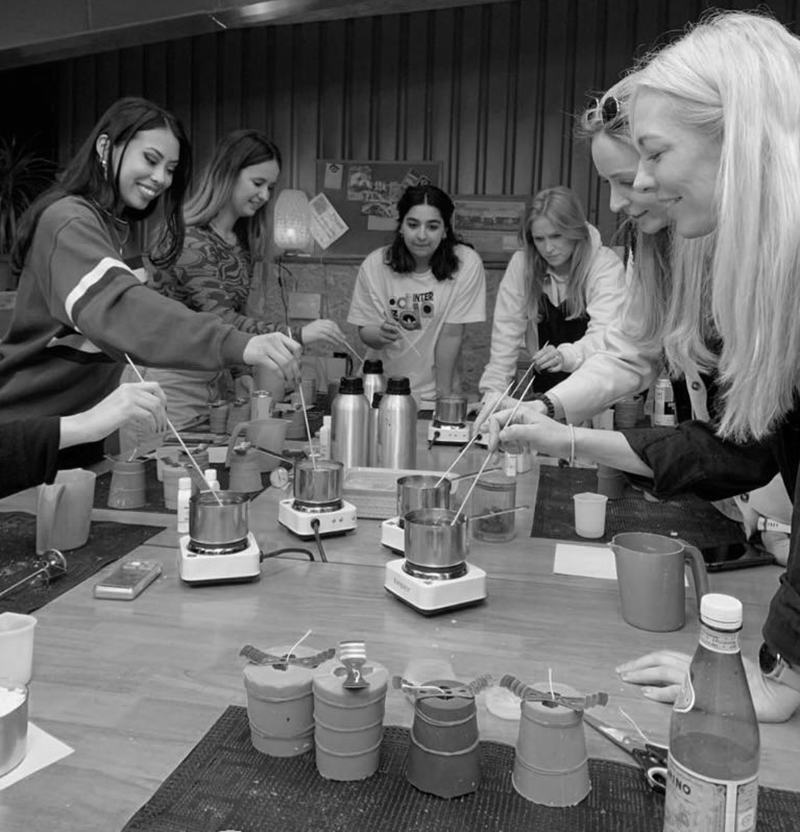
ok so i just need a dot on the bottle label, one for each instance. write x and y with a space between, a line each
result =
698 804
719 642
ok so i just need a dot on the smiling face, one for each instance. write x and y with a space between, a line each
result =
617 162
554 247
422 230
253 188
680 163
146 168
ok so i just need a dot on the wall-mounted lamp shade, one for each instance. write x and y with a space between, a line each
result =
292 232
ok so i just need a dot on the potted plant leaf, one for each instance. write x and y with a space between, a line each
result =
23 176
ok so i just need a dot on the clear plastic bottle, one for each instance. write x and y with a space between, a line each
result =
182 501
714 743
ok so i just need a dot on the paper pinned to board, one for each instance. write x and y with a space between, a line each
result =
326 224
42 750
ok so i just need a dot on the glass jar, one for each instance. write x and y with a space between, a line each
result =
494 493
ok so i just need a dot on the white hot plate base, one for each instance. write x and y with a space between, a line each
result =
238 566
431 596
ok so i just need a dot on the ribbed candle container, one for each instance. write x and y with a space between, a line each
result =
349 723
551 765
280 705
444 757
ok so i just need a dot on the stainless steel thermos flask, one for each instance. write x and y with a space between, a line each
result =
397 429
350 424
374 381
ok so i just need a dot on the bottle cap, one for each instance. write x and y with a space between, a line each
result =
373 365
398 385
184 482
723 612
352 385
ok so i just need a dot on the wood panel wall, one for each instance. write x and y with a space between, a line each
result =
489 90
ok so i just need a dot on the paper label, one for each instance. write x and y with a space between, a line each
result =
326 223
698 804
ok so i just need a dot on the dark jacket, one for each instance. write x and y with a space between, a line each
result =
692 458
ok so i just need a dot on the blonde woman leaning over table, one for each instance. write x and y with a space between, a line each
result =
227 238
718 144
652 323
557 297
81 305
413 298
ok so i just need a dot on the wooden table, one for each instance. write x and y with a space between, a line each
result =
132 687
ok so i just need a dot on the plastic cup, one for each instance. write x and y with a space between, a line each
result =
590 514
16 646
610 482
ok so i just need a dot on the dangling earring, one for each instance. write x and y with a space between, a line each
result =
104 166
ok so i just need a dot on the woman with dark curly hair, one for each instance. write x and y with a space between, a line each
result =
413 298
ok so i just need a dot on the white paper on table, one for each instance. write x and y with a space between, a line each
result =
326 224
587 561
43 750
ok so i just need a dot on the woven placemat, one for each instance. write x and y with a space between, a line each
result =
224 783
695 520
154 489
107 542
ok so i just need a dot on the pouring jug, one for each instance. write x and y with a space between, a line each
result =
245 462
650 575
64 511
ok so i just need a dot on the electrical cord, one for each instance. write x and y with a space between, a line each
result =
315 525
274 554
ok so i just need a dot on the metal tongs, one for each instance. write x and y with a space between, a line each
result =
256 656
531 694
471 689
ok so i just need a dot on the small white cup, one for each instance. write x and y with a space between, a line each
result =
16 646
590 514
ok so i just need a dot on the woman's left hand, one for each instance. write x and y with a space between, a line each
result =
662 674
548 360
324 331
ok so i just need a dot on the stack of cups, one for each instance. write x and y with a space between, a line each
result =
444 758
280 705
551 765
349 722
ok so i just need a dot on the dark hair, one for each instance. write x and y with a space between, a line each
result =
444 261
238 150
86 176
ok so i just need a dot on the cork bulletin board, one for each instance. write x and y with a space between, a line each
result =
365 194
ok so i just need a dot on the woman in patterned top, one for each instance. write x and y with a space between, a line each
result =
227 242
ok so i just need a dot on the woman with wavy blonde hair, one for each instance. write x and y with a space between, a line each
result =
716 120
560 292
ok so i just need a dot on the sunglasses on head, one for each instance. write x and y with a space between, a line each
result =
608 109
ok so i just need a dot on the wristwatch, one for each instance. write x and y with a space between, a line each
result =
774 666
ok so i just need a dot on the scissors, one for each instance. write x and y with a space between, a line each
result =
651 757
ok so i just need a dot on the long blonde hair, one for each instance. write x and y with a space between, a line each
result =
663 290
735 78
563 209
